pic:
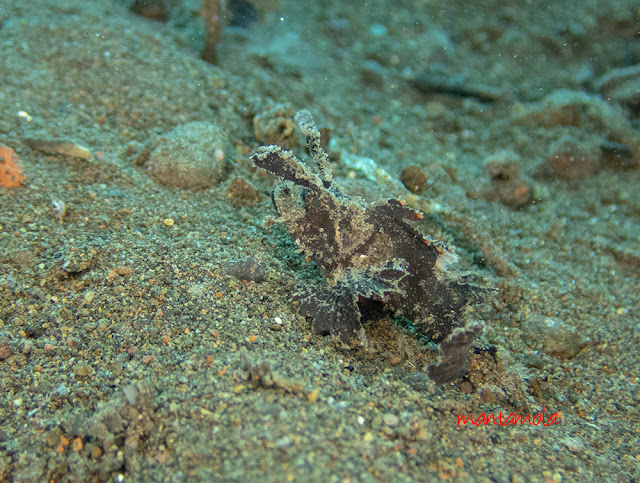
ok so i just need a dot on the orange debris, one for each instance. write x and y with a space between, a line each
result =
11 172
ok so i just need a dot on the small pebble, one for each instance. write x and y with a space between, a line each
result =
130 392
313 396
533 361
284 442
5 351
413 178
77 444
418 381
378 30
574 444
88 298
245 269
82 371
390 420
62 390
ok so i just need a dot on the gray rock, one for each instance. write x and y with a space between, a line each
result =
245 269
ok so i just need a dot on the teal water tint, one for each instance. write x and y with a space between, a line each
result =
133 348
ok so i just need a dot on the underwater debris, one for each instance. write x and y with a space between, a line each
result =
507 186
151 9
62 147
436 83
11 172
58 209
214 15
374 259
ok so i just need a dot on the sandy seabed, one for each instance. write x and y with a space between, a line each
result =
148 330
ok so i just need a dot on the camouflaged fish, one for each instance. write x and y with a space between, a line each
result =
373 258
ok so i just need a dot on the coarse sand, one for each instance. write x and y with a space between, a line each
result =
148 326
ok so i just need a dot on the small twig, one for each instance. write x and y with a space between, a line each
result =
213 12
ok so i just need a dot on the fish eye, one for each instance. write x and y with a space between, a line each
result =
314 201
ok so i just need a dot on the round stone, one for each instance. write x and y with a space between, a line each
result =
191 156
